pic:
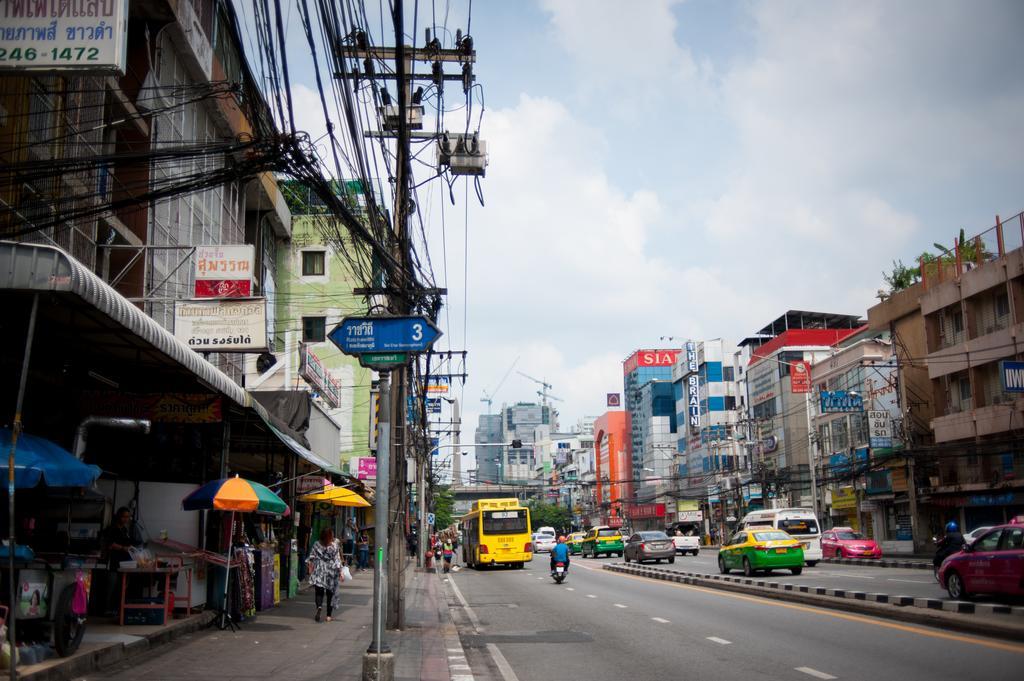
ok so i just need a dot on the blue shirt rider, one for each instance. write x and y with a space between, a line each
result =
560 553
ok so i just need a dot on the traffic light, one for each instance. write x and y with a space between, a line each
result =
516 444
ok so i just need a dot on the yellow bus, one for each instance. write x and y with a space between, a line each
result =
496 531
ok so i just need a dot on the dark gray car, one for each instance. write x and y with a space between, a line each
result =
652 545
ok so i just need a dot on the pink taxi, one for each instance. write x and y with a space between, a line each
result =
993 564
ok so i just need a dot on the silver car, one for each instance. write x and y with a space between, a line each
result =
651 545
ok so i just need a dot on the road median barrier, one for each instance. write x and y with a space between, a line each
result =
907 563
985 619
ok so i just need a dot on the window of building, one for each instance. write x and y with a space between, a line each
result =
312 263
730 402
728 374
314 329
1002 305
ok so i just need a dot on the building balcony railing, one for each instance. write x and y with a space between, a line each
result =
992 244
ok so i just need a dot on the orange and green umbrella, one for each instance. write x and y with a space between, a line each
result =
235 494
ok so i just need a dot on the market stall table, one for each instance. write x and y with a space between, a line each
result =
165 604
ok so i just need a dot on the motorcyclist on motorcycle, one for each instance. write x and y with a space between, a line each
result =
560 554
950 543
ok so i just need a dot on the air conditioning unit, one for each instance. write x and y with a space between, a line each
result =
413 115
463 154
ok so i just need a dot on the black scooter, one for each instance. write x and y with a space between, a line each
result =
560 572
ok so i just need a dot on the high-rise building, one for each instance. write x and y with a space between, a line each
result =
612 467
639 369
488 432
655 421
515 422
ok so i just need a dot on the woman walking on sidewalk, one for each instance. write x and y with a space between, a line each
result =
324 564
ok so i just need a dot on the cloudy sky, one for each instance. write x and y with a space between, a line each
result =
694 169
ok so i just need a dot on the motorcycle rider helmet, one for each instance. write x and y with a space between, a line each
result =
561 540
951 526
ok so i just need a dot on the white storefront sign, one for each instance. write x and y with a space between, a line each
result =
60 35
230 325
879 429
689 516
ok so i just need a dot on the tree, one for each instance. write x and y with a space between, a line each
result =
444 504
900 278
549 515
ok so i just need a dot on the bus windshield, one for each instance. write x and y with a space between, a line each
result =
505 522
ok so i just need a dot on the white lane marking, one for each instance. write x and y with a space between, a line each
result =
722 641
661 619
815 673
912 581
844 574
569 588
584 567
540 578
620 605
462 677
591 596
455 650
458 666
507 673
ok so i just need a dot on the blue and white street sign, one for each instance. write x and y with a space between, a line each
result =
361 335
430 519
1012 375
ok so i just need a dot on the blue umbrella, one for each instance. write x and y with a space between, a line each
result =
39 460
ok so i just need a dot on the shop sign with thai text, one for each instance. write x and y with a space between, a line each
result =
879 429
61 35
224 271
156 407
800 377
838 401
229 325
313 370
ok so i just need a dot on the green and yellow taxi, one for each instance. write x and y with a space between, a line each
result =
575 542
758 549
602 539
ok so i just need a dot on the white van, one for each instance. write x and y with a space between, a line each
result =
798 522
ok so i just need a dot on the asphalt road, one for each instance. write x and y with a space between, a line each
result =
602 626
892 581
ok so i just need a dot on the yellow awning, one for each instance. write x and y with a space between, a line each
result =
338 496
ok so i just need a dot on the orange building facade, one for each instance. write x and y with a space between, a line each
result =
613 467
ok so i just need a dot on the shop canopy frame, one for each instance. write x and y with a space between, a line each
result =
103 317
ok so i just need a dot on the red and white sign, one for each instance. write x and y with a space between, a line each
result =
800 377
224 271
647 511
650 358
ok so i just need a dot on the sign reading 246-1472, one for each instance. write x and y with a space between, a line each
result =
57 35
363 335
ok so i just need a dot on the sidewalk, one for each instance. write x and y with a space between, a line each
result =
286 644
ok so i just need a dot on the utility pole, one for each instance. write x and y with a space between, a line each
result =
378 663
404 58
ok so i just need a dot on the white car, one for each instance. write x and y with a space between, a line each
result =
543 543
686 545
971 536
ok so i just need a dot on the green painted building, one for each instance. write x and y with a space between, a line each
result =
314 283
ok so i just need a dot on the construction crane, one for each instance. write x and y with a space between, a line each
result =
544 387
489 398
549 397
